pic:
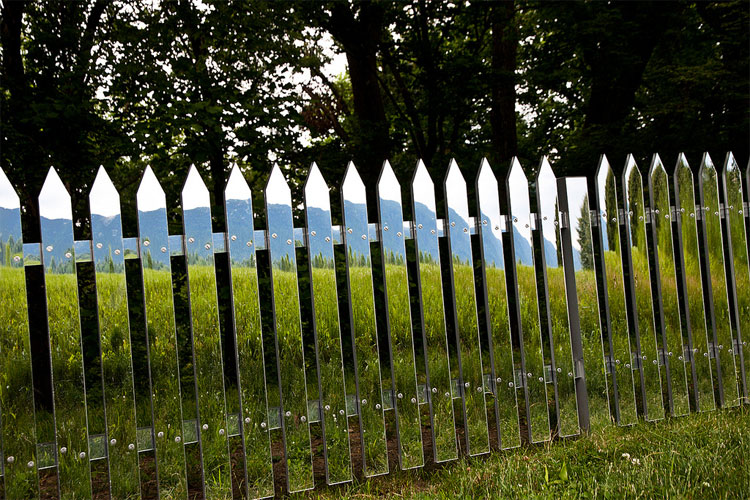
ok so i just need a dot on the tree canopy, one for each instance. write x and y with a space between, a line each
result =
125 83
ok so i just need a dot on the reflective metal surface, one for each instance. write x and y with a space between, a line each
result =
248 336
204 320
738 256
327 329
505 356
290 355
71 433
640 280
693 309
470 363
435 339
532 376
16 390
364 333
554 291
162 338
398 317
114 338
666 287
583 298
614 311
718 303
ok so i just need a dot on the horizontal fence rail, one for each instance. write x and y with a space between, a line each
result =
573 304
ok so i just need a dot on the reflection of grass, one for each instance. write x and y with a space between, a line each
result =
409 428
166 401
471 361
293 387
74 474
257 444
15 371
504 357
444 433
534 355
368 368
333 398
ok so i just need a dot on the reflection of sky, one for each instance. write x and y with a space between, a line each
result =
54 200
388 186
518 189
577 189
239 211
489 205
57 233
150 195
104 199
194 192
316 190
547 192
8 196
458 213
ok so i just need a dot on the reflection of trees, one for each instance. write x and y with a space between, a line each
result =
583 229
9 249
357 258
321 262
635 205
426 257
392 258
610 207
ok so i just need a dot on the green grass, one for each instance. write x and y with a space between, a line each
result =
703 455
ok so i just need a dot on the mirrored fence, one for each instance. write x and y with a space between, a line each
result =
582 309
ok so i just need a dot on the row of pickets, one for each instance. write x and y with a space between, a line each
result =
595 305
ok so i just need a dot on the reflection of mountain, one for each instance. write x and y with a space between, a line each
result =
108 232
550 253
152 224
57 233
577 264
239 213
524 253
461 245
493 248
10 223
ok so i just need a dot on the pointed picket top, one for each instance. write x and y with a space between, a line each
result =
486 175
317 193
54 200
516 175
8 196
150 196
730 162
681 162
657 166
602 171
546 183
630 167
194 191
454 177
237 188
707 165
104 200
421 179
388 186
353 187
277 189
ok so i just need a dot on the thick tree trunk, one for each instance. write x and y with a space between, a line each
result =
503 85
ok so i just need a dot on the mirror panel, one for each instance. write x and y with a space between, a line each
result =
398 317
68 386
114 338
364 331
574 201
666 285
640 281
505 356
718 304
248 336
555 294
435 338
465 313
17 387
288 329
162 337
614 310
327 330
691 284
736 228
532 357
204 320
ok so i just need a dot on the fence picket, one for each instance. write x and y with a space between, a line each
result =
114 338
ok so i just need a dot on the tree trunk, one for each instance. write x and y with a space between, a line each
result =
502 84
